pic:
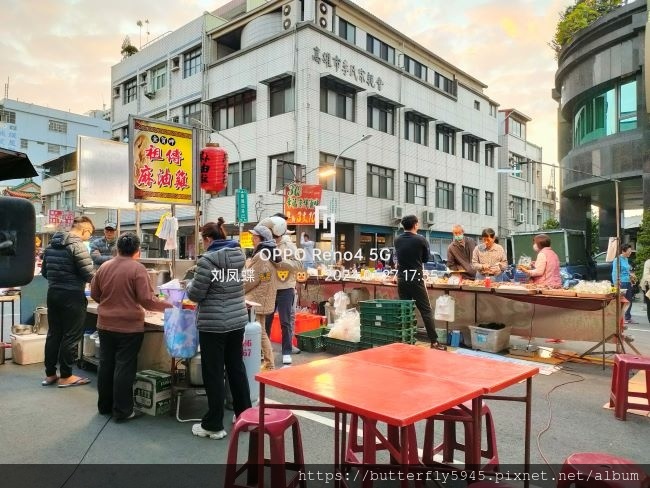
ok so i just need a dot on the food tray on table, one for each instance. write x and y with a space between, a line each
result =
512 290
444 286
476 288
338 346
312 340
559 293
599 296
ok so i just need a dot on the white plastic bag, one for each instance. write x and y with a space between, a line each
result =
445 308
341 302
347 327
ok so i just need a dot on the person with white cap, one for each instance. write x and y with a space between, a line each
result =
103 249
261 288
286 283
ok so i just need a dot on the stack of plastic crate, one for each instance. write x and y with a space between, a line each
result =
387 321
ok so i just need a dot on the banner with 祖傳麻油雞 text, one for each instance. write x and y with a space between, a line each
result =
300 202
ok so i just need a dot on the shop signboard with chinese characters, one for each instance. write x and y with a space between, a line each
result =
300 202
162 161
241 205
60 218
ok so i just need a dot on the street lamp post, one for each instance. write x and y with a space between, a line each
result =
334 207
215 131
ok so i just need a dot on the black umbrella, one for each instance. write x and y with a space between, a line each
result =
14 165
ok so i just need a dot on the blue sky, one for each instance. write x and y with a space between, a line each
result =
59 53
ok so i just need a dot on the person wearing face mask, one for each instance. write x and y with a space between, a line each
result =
547 265
489 259
459 253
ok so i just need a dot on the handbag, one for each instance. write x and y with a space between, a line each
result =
181 335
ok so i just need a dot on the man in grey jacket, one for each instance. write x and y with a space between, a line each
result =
67 266
459 253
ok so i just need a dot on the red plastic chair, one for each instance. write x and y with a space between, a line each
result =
619 394
276 423
460 413
602 470
353 447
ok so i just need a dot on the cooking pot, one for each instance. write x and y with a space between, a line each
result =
158 277
194 371
21 329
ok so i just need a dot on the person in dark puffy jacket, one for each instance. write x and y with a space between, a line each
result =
67 266
103 249
218 288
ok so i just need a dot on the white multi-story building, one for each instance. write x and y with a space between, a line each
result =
525 203
294 83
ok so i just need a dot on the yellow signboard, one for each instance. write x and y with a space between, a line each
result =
161 155
246 240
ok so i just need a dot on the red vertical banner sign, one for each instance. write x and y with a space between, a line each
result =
299 203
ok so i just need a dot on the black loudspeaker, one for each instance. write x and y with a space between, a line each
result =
17 241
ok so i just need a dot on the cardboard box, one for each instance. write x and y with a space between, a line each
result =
28 348
152 392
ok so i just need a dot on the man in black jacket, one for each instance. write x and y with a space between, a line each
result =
103 249
412 251
68 267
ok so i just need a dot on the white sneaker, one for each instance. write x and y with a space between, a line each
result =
286 359
199 431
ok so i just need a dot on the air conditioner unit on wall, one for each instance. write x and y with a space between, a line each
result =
324 17
396 212
149 93
521 218
427 217
289 15
176 63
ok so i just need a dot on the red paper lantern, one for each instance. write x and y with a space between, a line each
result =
214 168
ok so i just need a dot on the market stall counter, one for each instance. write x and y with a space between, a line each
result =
153 352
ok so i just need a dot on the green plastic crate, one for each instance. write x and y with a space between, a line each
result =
312 340
402 323
384 333
391 306
376 341
337 346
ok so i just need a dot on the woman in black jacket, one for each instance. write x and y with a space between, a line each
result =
218 289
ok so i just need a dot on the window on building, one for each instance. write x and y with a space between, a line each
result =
445 84
517 128
281 94
477 105
7 116
470 199
445 139
337 99
24 144
416 189
519 167
233 111
493 110
248 177
192 63
489 155
159 77
347 31
130 91
489 203
416 68
380 49
53 148
380 115
470 147
517 207
57 126
627 119
380 182
191 111
344 173
445 194
416 128
287 171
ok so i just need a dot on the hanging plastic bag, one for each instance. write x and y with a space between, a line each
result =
445 308
181 335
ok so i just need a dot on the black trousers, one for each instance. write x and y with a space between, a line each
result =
284 305
118 364
66 314
416 290
219 350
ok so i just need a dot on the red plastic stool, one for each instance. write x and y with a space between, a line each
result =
354 447
460 413
276 422
602 470
618 396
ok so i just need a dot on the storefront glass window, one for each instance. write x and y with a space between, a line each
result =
627 113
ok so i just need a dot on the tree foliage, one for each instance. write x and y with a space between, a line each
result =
128 49
550 224
643 243
577 17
